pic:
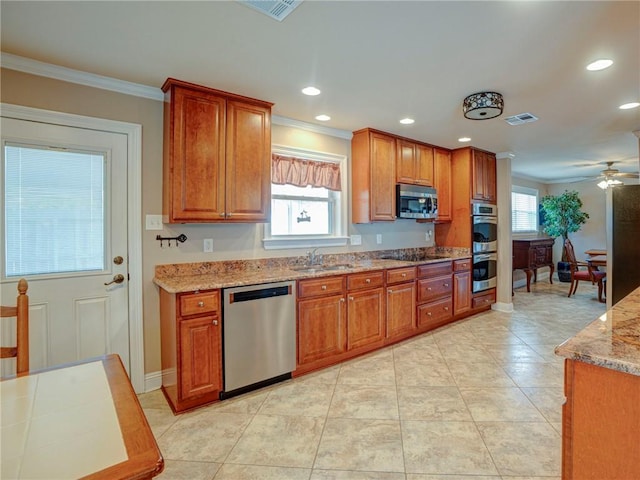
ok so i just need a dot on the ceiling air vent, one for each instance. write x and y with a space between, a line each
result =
521 118
277 9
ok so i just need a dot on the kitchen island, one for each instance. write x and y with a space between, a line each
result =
601 416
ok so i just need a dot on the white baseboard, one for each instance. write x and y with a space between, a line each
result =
152 381
502 306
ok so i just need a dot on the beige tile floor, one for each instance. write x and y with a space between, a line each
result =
477 400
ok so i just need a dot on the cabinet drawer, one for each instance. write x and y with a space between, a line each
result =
435 313
484 299
314 287
199 303
365 280
462 265
433 288
434 269
398 275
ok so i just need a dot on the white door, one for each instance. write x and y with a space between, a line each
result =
64 229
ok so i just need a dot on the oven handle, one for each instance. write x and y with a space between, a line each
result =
484 219
485 256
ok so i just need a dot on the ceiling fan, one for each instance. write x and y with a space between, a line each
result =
610 176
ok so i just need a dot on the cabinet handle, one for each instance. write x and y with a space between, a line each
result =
445 284
404 275
342 300
201 304
428 289
428 314
228 215
323 287
351 298
215 322
446 309
223 214
389 291
368 280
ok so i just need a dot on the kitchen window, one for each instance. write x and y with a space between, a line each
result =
308 199
524 210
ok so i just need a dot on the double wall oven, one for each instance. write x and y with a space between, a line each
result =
485 244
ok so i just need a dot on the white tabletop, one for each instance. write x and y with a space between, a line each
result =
59 424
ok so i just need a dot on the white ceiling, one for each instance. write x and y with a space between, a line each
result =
377 62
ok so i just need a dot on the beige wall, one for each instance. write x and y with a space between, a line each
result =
230 241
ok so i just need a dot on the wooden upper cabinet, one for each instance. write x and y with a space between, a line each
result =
483 178
373 176
217 149
442 183
414 163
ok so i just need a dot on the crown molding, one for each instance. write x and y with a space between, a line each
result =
35 67
311 127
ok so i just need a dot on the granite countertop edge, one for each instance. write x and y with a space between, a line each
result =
612 340
217 280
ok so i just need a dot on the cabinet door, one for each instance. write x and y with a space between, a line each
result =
383 178
200 356
248 167
490 178
365 314
405 162
461 292
424 165
442 183
322 328
194 174
401 312
478 181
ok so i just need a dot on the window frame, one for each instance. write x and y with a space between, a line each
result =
525 191
339 212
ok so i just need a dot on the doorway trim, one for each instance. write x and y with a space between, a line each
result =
133 132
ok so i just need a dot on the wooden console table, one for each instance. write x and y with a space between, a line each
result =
529 254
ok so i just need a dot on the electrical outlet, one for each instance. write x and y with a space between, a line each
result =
378 238
207 245
356 239
153 222
427 237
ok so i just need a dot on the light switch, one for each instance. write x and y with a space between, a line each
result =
154 222
207 245
378 238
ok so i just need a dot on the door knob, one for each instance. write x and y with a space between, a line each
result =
118 260
119 278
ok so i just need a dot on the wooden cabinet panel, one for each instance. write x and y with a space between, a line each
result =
405 161
199 303
483 178
424 165
322 328
434 314
461 292
248 168
217 149
320 286
432 288
401 312
365 314
434 269
442 183
461 265
365 280
373 176
200 347
400 275
483 300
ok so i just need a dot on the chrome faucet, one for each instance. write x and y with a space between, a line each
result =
314 258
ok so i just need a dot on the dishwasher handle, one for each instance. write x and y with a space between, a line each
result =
260 293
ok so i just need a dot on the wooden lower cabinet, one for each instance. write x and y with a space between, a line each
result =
401 314
435 314
483 300
322 328
365 318
461 286
600 423
191 348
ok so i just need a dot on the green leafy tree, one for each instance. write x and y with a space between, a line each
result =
563 215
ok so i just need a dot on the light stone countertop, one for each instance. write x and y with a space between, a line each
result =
179 278
612 340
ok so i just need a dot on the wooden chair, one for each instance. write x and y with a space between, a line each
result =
591 274
21 313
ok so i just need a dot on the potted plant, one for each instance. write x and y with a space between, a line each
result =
562 216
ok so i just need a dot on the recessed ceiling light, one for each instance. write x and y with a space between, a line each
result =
464 139
323 118
627 106
311 91
600 64
407 121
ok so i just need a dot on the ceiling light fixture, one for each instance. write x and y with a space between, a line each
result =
599 64
627 106
311 91
323 118
407 121
609 182
464 139
483 106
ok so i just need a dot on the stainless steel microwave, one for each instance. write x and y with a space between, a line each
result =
413 201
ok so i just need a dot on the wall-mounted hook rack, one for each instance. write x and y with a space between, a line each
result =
180 238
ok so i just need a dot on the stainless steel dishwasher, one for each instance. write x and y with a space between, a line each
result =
259 331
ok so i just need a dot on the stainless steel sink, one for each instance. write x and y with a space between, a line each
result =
321 268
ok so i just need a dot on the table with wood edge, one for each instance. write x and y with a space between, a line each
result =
144 459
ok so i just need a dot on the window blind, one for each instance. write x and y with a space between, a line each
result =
524 212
